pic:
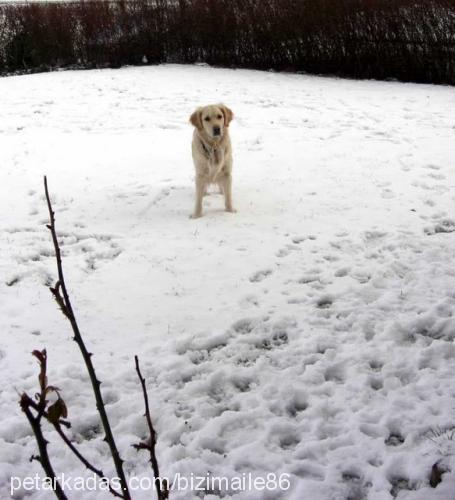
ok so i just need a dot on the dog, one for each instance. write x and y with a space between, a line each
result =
212 153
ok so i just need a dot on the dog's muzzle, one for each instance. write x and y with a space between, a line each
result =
216 131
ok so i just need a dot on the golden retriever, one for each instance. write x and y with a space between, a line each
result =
212 153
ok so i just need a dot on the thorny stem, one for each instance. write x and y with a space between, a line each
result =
64 303
163 494
43 458
58 427
35 422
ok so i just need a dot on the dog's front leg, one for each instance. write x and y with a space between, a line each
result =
226 186
200 188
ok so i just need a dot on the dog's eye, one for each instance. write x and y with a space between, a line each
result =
207 118
219 117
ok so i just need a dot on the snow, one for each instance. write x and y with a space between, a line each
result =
311 333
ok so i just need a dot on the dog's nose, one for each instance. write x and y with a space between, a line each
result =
216 131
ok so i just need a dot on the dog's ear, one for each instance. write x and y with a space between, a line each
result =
227 113
196 119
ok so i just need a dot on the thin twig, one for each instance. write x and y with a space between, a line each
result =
43 457
64 303
35 422
163 493
53 415
82 459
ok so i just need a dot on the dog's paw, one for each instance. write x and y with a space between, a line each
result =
195 216
231 210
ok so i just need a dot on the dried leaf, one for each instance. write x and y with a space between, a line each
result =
57 411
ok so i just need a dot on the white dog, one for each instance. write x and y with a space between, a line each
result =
212 153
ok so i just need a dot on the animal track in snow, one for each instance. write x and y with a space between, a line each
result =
394 439
245 325
376 383
36 248
308 278
283 252
324 302
387 194
438 177
399 483
335 373
260 275
361 275
443 226
249 300
373 236
343 271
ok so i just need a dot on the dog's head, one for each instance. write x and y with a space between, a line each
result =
213 120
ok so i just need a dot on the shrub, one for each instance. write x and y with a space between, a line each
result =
411 40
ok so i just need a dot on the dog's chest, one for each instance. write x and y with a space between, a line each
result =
214 170
216 156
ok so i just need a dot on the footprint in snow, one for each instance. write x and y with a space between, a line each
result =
387 194
438 177
283 252
324 302
373 235
361 275
309 277
260 275
249 300
376 365
432 167
443 226
399 484
342 234
343 271
394 439
244 325
335 373
13 280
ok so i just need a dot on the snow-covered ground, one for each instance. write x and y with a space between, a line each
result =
310 334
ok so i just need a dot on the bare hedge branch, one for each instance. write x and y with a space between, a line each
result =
410 40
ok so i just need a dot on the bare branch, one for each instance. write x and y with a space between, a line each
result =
52 415
56 412
64 303
163 494
35 422
82 459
